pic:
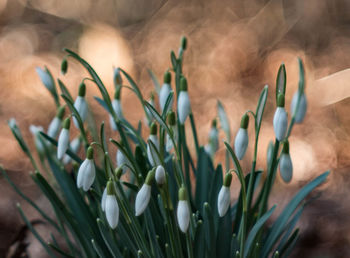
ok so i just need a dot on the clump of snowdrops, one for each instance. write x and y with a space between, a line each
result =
157 197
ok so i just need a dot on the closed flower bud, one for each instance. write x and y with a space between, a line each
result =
35 130
183 211
300 113
144 194
103 199
74 146
241 140
224 196
160 175
280 120
165 91
56 123
81 105
111 206
183 105
285 164
63 139
151 154
87 172
172 126
45 78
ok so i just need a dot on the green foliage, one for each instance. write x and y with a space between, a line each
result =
80 216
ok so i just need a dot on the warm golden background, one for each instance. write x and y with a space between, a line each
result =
234 48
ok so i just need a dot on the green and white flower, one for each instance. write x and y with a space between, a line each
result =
144 194
241 140
87 171
280 120
183 103
63 139
224 196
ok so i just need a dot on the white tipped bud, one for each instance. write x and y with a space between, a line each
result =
142 199
300 113
280 123
82 108
54 127
224 200
63 142
163 95
160 175
112 211
183 106
151 154
103 200
183 215
286 167
45 78
241 143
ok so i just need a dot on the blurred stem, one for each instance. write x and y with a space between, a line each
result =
194 132
189 245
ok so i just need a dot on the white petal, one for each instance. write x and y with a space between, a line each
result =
223 200
54 127
286 167
300 114
63 141
103 200
183 106
280 123
112 211
160 175
241 143
45 78
82 108
183 215
163 96
86 174
142 199
117 107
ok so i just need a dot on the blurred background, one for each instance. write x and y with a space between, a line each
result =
234 48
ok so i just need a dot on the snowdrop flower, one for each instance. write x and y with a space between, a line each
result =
224 196
172 126
183 103
300 113
55 125
160 175
45 78
35 130
165 91
116 104
280 121
213 144
241 140
87 172
285 164
183 211
152 154
103 199
144 194
111 206
81 105
74 146
122 160
63 139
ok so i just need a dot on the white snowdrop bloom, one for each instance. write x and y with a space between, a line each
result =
45 78
172 126
183 211
160 175
280 120
80 105
103 199
241 140
300 113
74 146
285 164
111 206
144 194
63 139
151 153
122 160
35 130
224 199
87 171
183 104
55 125
165 91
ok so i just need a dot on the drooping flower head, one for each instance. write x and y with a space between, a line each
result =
183 210
144 194
151 152
111 206
63 139
81 105
56 123
165 91
183 103
285 164
280 120
87 171
241 140
224 195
